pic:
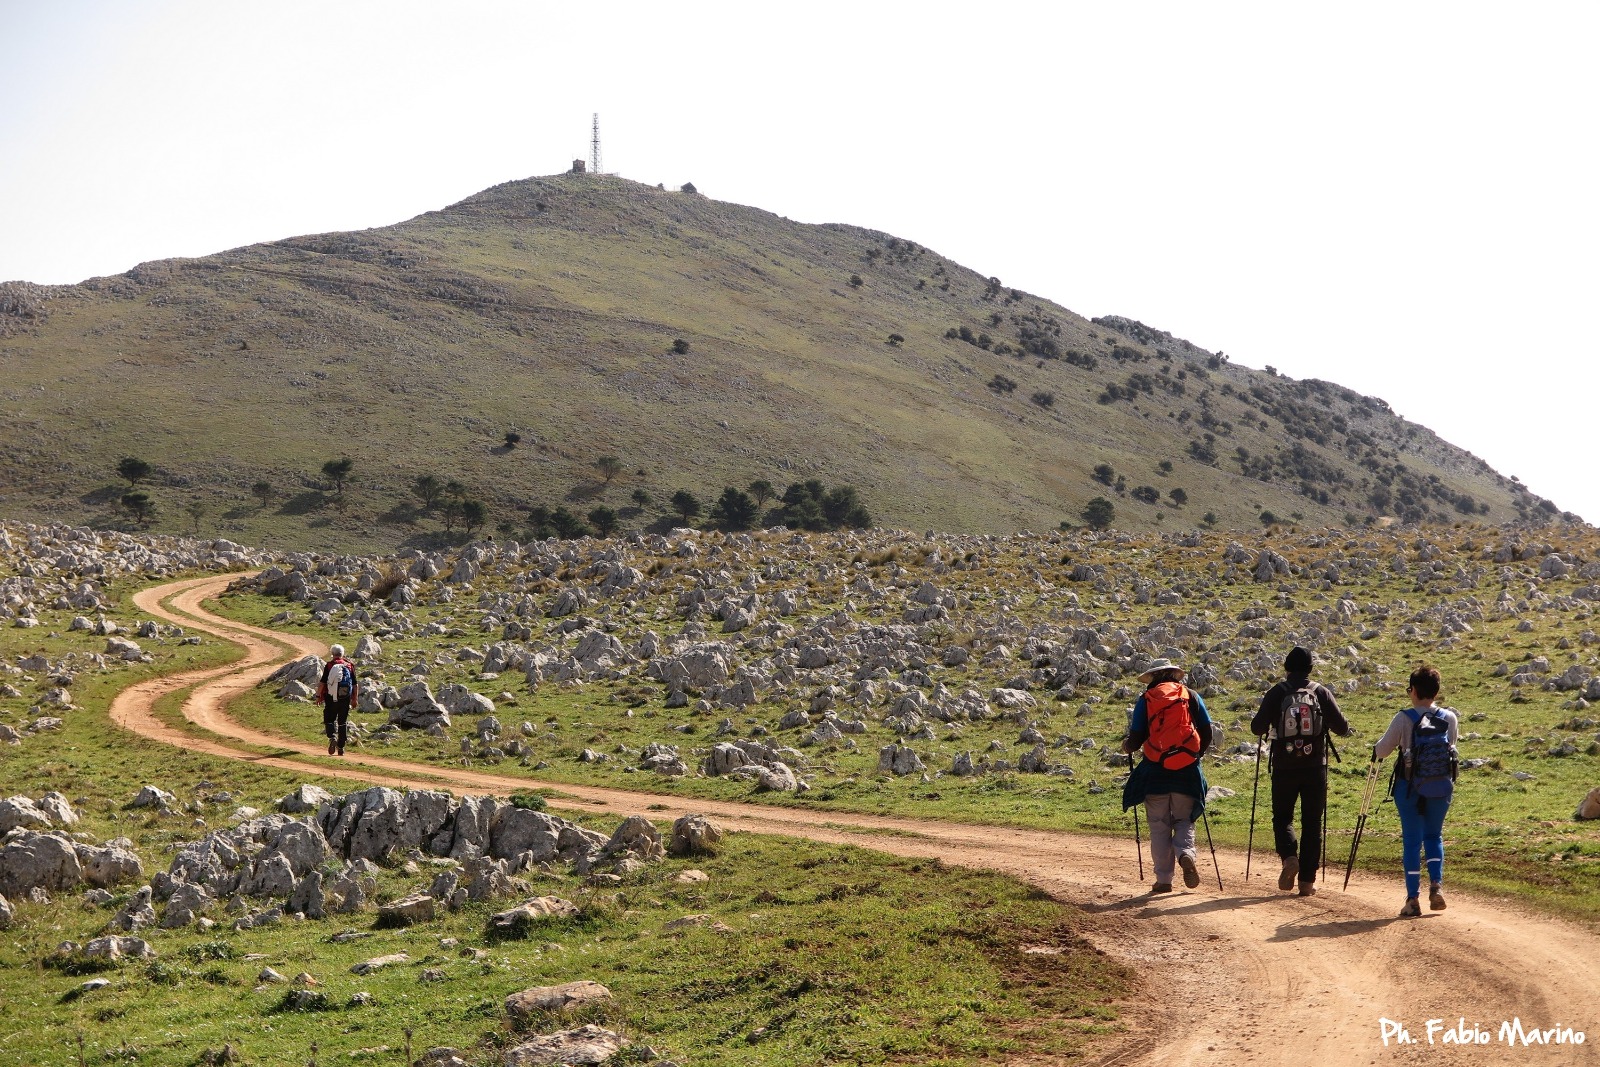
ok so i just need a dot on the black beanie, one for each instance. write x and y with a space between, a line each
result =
1298 661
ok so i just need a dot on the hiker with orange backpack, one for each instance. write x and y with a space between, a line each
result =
1297 714
1171 728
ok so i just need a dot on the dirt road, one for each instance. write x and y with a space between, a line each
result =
1242 977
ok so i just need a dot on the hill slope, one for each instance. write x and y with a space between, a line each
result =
550 307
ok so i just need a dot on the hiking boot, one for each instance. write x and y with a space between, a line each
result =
1191 873
1161 887
1291 872
1307 889
341 750
1436 897
1412 909
330 746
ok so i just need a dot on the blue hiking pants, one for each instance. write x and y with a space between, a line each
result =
1421 834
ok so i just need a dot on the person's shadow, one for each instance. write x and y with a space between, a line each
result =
1342 928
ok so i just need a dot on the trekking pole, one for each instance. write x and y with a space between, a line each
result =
1254 789
1322 858
1361 820
1207 820
1138 845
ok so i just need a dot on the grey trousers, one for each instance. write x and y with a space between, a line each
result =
1171 831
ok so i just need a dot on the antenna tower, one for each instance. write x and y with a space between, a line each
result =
594 146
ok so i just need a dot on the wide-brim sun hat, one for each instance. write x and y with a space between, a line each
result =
1161 665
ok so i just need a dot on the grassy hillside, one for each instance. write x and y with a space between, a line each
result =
552 308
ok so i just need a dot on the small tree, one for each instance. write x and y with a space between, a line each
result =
262 491
762 490
1165 466
450 511
609 467
680 347
473 514
1099 513
1209 518
896 340
604 520
855 281
734 510
336 471
196 510
640 498
685 505
1146 494
1104 474
567 525
513 438
133 470
427 489
1178 497
140 506
1268 518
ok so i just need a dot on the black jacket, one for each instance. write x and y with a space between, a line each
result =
1272 704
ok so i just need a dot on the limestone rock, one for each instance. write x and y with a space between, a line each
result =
555 998
585 1045
32 861
408 911
694 835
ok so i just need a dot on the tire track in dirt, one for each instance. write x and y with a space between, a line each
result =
1246 976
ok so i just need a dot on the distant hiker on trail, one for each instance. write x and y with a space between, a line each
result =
1298 713
1424 782
1170 725
337 691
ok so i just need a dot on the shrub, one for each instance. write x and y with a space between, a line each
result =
734 510
1104 474
427 489
336 471
1165 466
140 506
1178 497
1001 384
604 521
896 340
529 801
685 505
1268 518
1044 399
513 438
133 470
1146 494
855 281
680 347
1209 518
1099 513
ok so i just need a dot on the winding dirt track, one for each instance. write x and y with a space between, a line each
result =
1241 977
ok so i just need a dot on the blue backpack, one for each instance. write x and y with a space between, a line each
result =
341 680
1431 770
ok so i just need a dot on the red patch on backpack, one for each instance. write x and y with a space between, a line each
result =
1173 742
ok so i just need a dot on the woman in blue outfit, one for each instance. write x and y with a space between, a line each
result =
1424 783
1170 726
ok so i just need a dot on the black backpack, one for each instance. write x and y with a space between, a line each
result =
1300 727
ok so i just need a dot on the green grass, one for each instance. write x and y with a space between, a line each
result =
1504 835
834 954
831 955
416 347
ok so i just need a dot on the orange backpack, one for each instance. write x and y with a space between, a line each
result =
1174 743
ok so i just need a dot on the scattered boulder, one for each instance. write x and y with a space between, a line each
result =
407 911
694 835
554 998
585 1045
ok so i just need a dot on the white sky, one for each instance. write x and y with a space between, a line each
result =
1399 197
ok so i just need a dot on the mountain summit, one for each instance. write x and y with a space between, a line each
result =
510 341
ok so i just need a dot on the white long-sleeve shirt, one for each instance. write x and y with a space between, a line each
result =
1399 733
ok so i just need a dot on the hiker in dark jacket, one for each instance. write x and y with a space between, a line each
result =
1170 726
337 691
1299 759
1424 784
